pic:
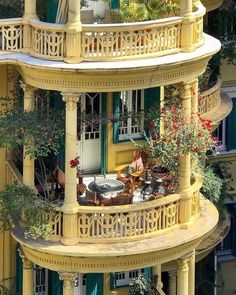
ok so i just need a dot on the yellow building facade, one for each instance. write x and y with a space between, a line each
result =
80 61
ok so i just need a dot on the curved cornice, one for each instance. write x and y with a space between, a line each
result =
212 4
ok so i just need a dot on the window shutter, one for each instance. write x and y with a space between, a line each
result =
151 97
116 112
94 284
115 4
112 280
54 283
147 273
51 10
231 128
19 273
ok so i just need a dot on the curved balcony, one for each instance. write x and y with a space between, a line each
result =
101 42
111 224
213 104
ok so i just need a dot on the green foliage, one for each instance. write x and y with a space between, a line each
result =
20 201
41 134
140 286
140 10
212 185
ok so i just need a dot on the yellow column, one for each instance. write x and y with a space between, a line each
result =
172 282
191 275
74 29
70 206
156 272
29 13
195 96
7 259
182 277
187 25
69 279
28 162
184 168
27 276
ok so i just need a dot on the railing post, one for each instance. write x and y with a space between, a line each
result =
73 35
29 13
70 206
187 25
184 168
28 161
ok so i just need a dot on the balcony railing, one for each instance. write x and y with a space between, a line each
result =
100 42
210 99
120 223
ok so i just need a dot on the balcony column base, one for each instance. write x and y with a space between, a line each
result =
68 282
70 236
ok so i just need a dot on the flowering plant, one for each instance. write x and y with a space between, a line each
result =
179 137
74 163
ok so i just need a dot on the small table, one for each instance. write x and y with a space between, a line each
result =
106 185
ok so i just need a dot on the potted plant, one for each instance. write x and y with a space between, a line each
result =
178 138
21 203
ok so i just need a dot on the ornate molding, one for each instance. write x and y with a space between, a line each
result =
113 80
101 264
182 264
71 99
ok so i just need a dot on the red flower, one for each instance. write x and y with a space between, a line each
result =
196 150
151 124
175 126
74 163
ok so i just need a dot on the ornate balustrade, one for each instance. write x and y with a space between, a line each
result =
210 99
11 34
100 42
47 40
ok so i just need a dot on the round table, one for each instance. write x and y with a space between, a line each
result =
106 185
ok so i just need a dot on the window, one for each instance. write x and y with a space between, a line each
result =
123 278
220 134
40 280
131 103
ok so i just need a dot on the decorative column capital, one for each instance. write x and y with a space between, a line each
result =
68 279
71 99
182 264
27 264
28 89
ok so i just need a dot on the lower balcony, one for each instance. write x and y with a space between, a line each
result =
157 228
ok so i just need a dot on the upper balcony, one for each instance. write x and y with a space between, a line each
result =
73 42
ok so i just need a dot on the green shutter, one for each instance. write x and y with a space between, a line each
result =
54 283
94 284
112 280
103 135
147 273
231 128
116 112
52 10
151 97
19 273
115 4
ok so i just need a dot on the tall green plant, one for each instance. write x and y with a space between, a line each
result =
20 201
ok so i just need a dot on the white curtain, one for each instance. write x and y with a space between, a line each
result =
62 12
